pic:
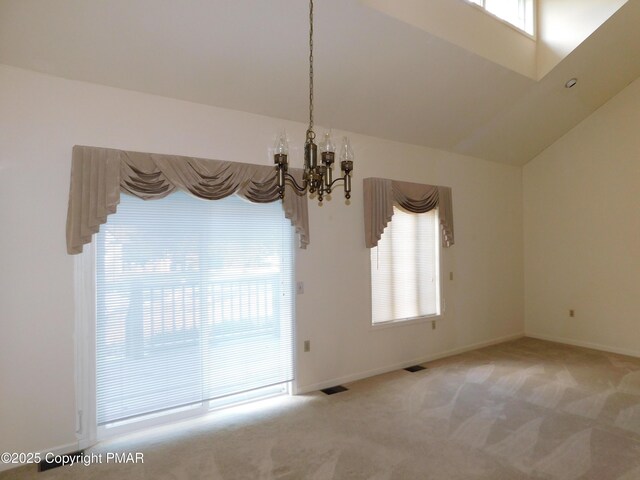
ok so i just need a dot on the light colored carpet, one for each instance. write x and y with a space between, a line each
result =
523 409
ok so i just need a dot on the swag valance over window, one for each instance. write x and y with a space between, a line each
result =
99 174
381 194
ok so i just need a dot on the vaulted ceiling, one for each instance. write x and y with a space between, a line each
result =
374 74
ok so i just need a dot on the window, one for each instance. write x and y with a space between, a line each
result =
516 12
405 268
194 303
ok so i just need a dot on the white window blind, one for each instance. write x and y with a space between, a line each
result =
194 302
404 268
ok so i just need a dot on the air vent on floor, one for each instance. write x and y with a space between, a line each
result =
336 389
55 461
415 368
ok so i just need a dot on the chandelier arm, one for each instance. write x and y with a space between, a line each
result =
337 181
346 179
292 182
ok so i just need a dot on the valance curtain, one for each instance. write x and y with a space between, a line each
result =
381 194
99 174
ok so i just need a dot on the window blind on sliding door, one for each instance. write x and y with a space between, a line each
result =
194 302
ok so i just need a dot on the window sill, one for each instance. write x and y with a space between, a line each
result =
406 322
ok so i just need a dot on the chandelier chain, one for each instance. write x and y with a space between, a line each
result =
310 133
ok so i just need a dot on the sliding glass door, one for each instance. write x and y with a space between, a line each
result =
194 302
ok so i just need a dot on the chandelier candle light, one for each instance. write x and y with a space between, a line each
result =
316 178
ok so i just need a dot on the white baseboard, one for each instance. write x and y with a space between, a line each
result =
580 343
60 450
390 368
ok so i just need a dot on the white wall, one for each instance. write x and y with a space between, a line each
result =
562 26
469 27
42 117
582 231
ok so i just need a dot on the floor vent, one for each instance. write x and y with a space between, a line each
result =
55 461
415 368
336 389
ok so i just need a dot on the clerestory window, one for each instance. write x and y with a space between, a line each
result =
519 13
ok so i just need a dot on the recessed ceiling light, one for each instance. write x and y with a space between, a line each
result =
571 83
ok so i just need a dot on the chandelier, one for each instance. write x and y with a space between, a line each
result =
316 179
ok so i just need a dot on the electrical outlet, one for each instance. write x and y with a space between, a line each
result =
307 345
572 313
450 275
299 288
433 324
